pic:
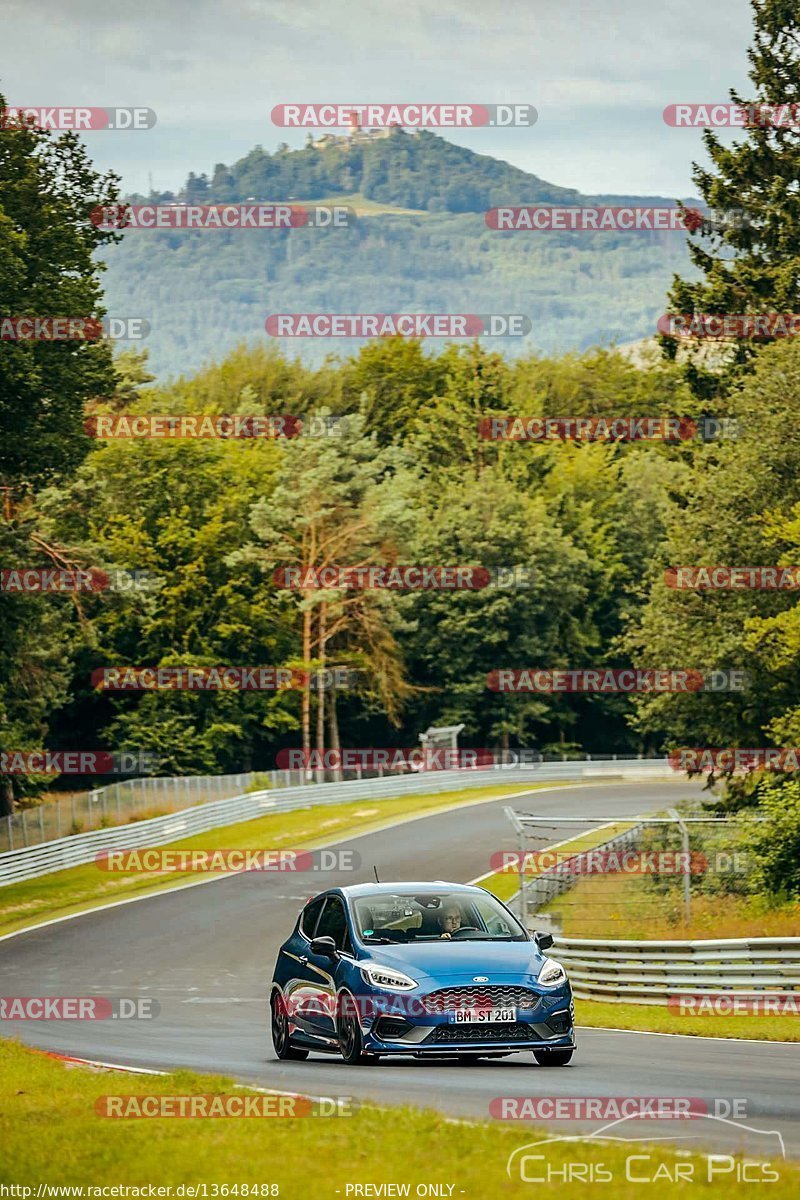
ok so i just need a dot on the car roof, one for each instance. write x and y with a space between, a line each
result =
355 890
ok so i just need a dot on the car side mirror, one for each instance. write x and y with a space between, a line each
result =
324 946
543 940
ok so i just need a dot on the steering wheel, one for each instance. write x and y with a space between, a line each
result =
464 929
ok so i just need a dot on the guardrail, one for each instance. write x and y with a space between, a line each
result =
651 972
154 795
120 802
29 862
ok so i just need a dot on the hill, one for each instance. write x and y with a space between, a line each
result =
419 244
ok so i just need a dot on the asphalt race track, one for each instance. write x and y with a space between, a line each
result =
206 954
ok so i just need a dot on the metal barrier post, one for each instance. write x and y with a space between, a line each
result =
687 880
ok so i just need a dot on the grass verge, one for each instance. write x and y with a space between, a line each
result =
630 906
505 884
78 888
593 910
655 1018
51 1134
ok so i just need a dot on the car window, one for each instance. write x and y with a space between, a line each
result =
310 914
493 918
383 916
333 924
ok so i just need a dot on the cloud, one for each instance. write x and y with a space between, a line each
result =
212 72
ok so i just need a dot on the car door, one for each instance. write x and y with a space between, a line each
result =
333 924
301 980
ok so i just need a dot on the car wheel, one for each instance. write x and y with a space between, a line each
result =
281 1041
348 1029
553 1058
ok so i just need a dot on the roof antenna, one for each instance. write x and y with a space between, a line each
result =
375 869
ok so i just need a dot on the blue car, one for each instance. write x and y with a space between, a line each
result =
422 969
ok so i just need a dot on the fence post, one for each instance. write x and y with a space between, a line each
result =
523 898
41 822
10 834
25 826
687 880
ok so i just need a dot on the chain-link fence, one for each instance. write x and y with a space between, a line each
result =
615 873
151 796
120 803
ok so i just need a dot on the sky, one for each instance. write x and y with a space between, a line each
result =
599 72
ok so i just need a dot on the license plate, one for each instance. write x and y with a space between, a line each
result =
483 1016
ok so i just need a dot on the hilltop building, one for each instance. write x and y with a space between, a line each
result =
355 135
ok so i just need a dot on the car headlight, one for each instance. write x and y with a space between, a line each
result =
388 978
552 973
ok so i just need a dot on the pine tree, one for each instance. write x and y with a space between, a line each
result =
750 259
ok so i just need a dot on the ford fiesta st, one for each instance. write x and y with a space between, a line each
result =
423 969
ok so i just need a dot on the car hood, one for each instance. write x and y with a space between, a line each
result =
461 960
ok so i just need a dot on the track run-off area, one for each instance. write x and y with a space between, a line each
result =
206 954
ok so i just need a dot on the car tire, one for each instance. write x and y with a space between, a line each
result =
348 1030
553 1058
281 1042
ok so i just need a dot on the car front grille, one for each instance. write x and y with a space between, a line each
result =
488 996
516 1032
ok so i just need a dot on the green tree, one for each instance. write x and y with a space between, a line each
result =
47 242
733 507
387 382
47 269
751 262
175 510
775 843
339 503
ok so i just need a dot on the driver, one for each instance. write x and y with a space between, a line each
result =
450 920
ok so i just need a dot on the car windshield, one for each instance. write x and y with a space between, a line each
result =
443 916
